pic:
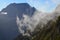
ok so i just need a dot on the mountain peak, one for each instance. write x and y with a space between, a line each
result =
19 9
26 4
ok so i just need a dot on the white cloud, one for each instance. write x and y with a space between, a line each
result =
28 23
31 22
56 1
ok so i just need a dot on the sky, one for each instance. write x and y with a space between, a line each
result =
41 5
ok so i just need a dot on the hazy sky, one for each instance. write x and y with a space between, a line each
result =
41 5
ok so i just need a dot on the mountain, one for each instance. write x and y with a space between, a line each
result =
49 31
8 26
19 9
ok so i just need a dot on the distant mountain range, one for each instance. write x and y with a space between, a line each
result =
8 27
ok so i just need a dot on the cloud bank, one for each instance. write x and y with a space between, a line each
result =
27 24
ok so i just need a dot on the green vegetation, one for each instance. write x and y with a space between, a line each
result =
51 33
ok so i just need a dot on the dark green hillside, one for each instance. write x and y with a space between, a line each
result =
51 33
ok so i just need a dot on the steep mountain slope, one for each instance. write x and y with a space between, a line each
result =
50 31
8 26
